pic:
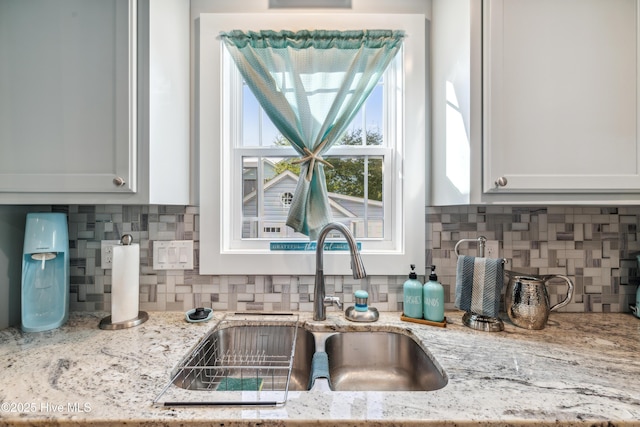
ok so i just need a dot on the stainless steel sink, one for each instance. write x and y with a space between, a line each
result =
256 364
233 352
380 361
301 371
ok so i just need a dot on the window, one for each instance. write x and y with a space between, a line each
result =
356 183
286 199
247 180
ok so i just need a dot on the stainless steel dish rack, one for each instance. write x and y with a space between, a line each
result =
246 361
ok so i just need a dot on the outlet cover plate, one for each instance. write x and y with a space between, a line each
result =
173 255
492 249
106 253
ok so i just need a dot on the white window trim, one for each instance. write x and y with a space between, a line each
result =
409 247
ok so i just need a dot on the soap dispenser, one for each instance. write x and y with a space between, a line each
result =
412 289
433 298
361 312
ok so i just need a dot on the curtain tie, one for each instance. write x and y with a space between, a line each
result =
312 157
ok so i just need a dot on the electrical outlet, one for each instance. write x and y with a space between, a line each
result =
106 252
492 249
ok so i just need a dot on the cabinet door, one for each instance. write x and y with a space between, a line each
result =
67 96
560 106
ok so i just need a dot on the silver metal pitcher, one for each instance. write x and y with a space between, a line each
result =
527 299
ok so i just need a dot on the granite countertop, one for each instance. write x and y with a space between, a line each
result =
582 369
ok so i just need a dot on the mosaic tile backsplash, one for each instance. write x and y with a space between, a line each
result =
595 246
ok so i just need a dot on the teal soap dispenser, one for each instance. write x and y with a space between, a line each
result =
433 298
412 289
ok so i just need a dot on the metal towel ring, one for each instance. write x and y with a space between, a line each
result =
482 241
481 244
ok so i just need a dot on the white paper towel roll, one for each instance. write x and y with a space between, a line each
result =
125 283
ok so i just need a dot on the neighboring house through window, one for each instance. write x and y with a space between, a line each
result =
247 179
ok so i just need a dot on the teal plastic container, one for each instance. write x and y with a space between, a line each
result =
361 300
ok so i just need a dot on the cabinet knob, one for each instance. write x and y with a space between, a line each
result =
118 181
501 182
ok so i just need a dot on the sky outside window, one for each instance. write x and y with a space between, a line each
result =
258 130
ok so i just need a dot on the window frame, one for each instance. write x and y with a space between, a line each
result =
219 251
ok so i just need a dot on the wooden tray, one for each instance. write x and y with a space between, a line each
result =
442 324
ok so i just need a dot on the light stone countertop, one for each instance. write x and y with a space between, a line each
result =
582 369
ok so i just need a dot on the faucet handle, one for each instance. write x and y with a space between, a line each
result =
331 300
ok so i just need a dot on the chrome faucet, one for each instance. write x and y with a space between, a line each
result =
319 312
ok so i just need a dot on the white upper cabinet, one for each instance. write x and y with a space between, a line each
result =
561 95
553 116
78 101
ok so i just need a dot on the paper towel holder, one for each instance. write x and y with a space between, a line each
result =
142 316
106 323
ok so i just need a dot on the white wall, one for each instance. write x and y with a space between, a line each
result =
12 221
451 102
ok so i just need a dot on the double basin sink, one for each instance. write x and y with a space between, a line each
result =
357 360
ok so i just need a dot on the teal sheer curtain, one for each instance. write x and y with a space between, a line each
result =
311 84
